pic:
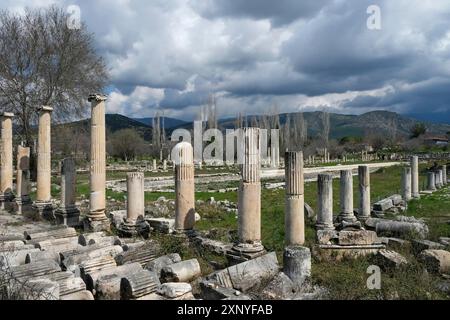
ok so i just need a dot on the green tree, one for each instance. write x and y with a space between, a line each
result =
417 130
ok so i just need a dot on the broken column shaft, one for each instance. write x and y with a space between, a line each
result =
364 193
68 212
415 177
325 202
346 197
406 184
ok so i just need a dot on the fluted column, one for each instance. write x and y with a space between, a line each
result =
295 199
22 178
325 202
364 193
346 197
96 216
43 203
406 184
184 186
68 213
249 195
415 177
437 179
6 170
431 182
444 175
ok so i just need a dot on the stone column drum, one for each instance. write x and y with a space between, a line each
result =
406 184
346 197
444 175
249 196
43 204
184 186
68 213
23 200
134 223
437 179
364 193
295 199
325 202
96 218
415 177
431 185
6 169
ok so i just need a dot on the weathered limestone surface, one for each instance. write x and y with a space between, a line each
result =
415 177
383 205
42 255
436 261
35 269
43 204
23 200
184 271
91 278
14 258
6 158
184 186
138 284
406 184
364 193
420 245
431 182
68 212
80 295
346 197
74 260
84 238
401 228
297 264
56 233
388 259
174 289
67 281
295 201
108 287
141 254
325 202
360 237
96 218
159 263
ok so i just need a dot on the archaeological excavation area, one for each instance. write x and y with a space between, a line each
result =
298 228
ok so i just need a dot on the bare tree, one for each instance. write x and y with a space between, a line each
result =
43 62
127 144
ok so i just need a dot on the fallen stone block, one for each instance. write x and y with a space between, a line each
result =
210 290
74 260
420 245
174 289
67 281
138 284
326 236
108 287
50 244
436 261
11 237
34 269
159 263
297 264
42 289
396 199
337 253
360 237
80 295
444 240
401 229
91 278
280 288
14 258
184 271
94 265
141 254
389 260
42 255
383 205
162 225
84 238
11 245
396 243
56 233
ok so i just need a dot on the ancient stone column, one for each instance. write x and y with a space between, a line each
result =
437 179
346 197
23 200
133 223
43 204
415 177
96 218
325 202
444 175
364 193
164 165
406 184
184 186
431 185
155 167
6 169
249 195
295 199
68 212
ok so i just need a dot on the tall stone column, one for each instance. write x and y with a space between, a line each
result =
6 169
23 200
134 223
68 212
43 204
155 167
346 197
325 202
295 199
364 193
444 175
184 186
249 197
431 184
415 177
437 179
96 218
406 184
164 165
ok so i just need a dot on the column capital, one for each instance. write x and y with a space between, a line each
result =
97 97
7 114
45 108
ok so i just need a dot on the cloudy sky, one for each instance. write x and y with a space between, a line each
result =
261 55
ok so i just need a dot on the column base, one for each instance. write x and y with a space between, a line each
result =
23 205
416 196
321 226
70 216
347 217
96 222
7 201
44 209
242 252
134 228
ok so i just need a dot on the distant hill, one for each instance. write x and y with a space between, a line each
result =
168 122
341 125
